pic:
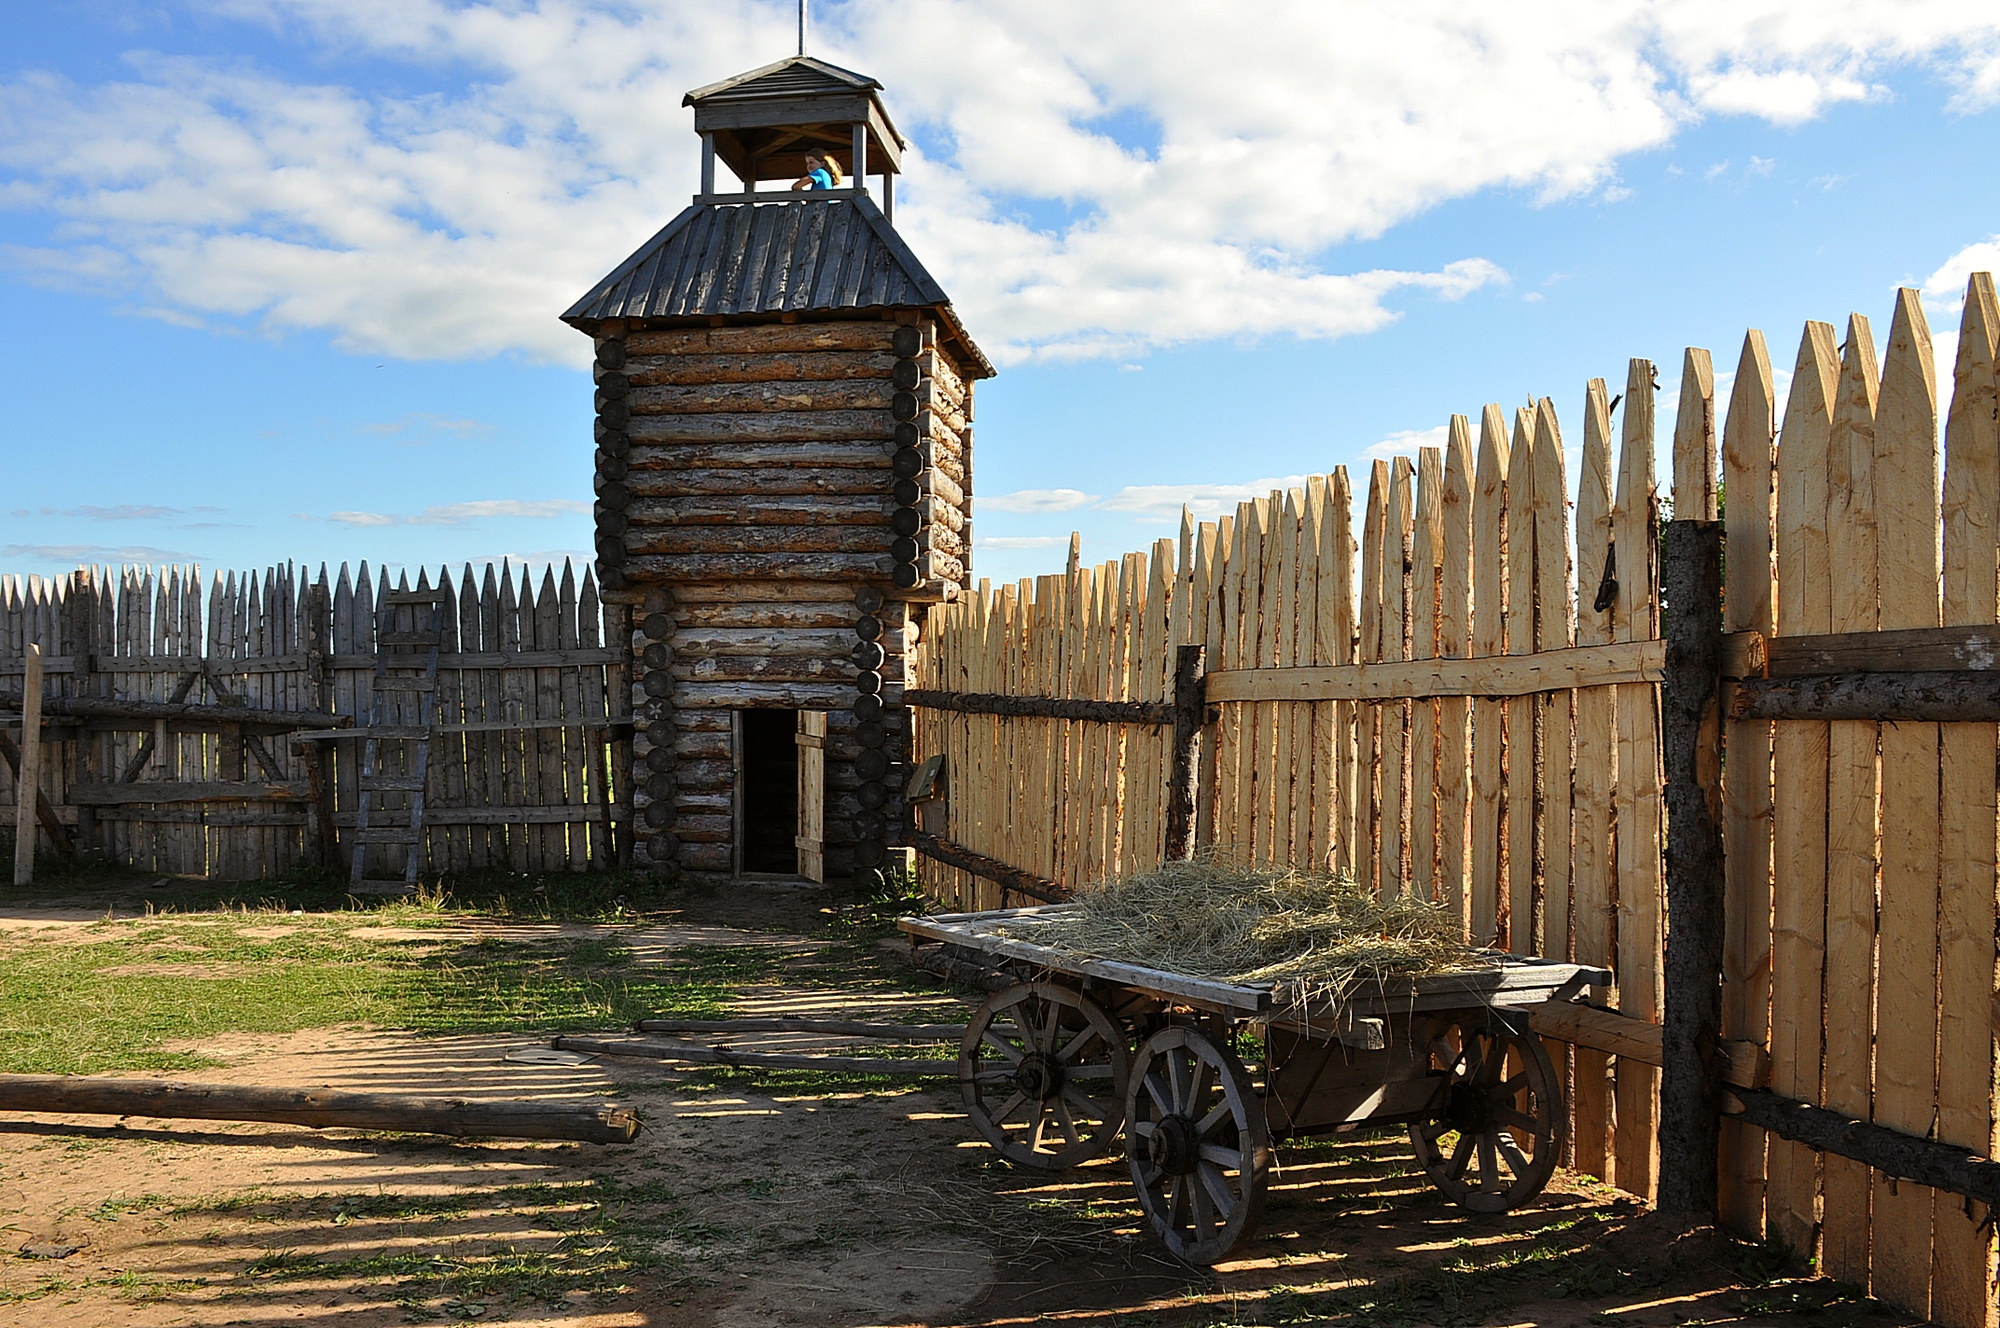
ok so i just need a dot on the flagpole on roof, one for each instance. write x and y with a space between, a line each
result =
802 25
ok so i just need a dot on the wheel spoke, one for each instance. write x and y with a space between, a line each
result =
1142 1129
1177 1196
1178 1072
1000 1044
1489 1165
1099 1071
1512 1152
1009 1107
1074 1047
1203 1209
1519 1120
1496 1062
1051 1021
1091 1110
1223 1157
1041 1123
1460 1155
1198 1081
1217 1186
1161 1093
999 1074
1514 1085
1067 1121
1217 1114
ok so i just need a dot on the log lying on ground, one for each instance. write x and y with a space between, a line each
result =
843 1027
933 959
654 1049
324 1108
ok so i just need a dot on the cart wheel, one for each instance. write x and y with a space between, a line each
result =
1494 1139
1200 1149
1042 1069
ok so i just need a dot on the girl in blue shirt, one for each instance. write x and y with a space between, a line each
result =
821 173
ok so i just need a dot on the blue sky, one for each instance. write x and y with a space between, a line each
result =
279 278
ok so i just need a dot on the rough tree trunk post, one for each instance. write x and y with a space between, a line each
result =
1183 779
28 775
1691 1076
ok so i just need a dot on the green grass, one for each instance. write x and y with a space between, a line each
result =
78 1007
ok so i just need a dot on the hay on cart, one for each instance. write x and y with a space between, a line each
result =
1321 935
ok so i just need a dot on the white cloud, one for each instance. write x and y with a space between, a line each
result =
1944 289
1405 442
1037 500
88 553
548 140
457 514
1204 500
1019 541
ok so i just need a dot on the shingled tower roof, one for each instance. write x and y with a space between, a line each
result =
755 256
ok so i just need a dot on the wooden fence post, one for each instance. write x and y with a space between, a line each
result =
1190 711
1690 1081
28 772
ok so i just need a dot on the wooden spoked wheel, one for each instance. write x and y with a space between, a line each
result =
1199 1146
1500 1119
1043 1072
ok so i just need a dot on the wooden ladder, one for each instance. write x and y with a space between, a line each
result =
391 700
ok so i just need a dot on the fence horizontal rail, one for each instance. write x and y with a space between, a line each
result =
86 707
990 869
1966 696
1929 1162
1042 707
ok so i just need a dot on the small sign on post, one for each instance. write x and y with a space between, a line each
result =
27 780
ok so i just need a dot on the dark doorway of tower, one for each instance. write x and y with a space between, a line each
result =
781 793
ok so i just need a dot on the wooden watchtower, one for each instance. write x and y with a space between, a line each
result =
784 483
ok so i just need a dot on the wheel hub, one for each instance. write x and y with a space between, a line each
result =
1039 1076
1173 1146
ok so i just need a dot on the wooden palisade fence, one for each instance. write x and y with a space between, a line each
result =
527 764
1466 704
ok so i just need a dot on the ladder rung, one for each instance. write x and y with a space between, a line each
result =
414 597
408 639
388 834
392 783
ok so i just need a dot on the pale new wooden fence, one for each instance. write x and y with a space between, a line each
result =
1495 790
1451 707
526 772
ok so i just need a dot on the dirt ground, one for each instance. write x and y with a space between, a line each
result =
785 1199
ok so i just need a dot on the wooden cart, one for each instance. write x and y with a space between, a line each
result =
1056 1066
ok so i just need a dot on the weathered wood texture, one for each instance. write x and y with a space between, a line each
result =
321 1108
191 685
1690 1084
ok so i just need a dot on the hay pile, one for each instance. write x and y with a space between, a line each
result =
1322 935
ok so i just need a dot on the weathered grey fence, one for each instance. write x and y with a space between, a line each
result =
528 761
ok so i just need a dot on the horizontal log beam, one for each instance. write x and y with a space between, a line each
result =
1941 1166
780 481
796 426
1042 707
165 791
847 567
1965 696
644 540
861 454
1916 650
989 869
689 1053
322 1108
763 337
710 398
772 367
91 707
